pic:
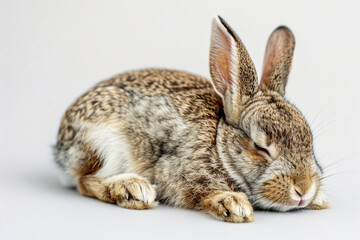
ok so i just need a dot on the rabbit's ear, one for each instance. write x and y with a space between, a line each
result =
277 62
232 71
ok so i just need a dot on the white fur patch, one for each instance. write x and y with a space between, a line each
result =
112 148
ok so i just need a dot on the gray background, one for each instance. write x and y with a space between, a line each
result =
53 51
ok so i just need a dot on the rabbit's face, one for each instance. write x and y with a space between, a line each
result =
285 173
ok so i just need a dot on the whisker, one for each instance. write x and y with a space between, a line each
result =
332 193
321 110
341 160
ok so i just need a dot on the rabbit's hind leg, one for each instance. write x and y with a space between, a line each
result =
126 190
98 158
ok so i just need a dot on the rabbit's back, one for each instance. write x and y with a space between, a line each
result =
191 94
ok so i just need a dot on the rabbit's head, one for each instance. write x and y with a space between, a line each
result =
263 141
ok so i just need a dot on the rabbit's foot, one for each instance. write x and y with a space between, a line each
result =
229 207
319 202
134 192
126 190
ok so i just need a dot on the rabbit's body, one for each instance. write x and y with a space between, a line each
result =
219 145
159 124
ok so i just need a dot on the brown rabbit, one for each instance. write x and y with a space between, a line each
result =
219 146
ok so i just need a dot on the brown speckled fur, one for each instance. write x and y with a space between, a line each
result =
220 147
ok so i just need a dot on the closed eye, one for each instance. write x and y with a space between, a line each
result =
261 149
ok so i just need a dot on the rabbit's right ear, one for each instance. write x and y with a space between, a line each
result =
232 71
277 62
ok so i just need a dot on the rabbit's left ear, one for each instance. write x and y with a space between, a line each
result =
232 71
277 62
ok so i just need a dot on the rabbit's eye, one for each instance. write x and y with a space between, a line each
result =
261 149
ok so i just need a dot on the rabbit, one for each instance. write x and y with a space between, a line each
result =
223 146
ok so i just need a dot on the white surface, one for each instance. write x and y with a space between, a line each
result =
53 51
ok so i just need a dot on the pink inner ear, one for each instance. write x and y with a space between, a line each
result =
274 46
223 61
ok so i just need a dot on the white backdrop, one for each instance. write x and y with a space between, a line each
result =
53 51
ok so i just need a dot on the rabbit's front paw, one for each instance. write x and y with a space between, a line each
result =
229 207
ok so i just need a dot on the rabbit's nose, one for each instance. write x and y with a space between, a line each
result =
302 184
